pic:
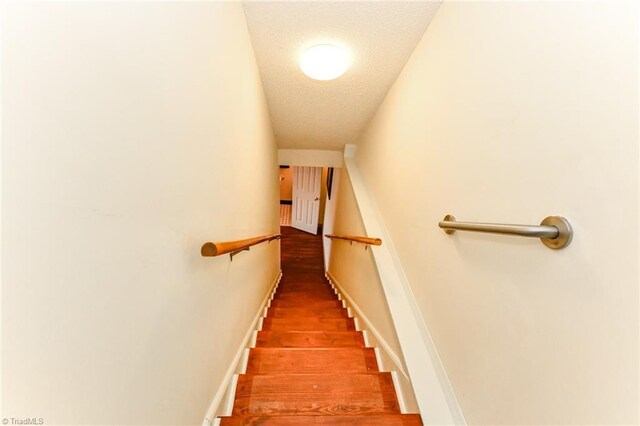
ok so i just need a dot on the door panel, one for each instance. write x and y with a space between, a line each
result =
306 198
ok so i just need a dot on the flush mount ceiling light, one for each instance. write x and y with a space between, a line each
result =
324 62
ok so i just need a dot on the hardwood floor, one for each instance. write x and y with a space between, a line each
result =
310 366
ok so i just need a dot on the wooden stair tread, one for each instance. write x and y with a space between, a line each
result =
309 293
337 420
297 281
298 404
309 303
316 360
324 383
309 339
300 284
307 312
324 394
304 296
311 289
308 324
310 366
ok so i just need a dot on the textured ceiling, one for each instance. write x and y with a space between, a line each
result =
310 114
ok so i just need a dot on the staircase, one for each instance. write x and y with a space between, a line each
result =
310 366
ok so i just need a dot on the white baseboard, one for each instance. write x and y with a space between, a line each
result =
365 337
228 406
223 393
369 326
244 362
381 368
400 393
387 358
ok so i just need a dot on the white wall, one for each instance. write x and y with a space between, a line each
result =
509 112
132 134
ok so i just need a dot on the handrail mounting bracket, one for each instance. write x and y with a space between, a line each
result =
233 253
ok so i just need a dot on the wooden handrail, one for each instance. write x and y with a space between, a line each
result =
357 239
234 247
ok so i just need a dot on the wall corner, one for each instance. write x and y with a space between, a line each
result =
350 150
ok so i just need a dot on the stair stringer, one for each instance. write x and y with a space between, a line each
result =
388 360
433 391
222 402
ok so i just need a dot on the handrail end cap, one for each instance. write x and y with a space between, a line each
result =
209 249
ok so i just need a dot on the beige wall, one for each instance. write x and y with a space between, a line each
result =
132 133
328 221
509 112
353 266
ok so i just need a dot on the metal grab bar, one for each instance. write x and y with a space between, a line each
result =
554 231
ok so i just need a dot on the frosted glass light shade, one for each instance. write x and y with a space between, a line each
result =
324 62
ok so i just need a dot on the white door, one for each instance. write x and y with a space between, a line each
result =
306 198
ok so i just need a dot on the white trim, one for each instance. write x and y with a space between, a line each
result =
209 418
435 397
356 323
228 409
349 151
381 368
365 338
244 361
370 328
399 392
385 356
254 339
